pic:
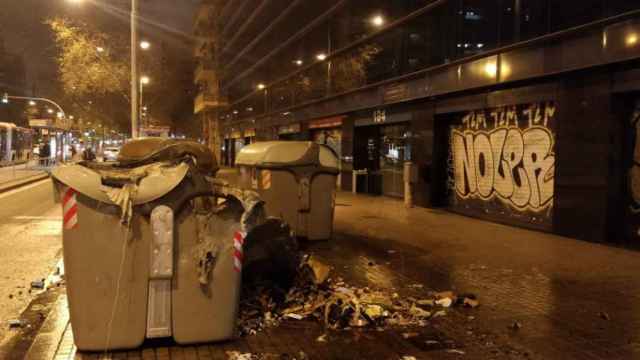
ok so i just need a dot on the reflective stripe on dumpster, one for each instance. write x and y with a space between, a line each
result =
238 241
70 209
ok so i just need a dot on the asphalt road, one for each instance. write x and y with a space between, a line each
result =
30 245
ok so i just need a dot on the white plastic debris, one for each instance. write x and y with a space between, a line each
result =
444 302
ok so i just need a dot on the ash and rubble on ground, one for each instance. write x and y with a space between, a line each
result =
315 295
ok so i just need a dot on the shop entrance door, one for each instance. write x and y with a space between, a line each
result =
366 156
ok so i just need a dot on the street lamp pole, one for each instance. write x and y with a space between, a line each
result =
7 96
134 69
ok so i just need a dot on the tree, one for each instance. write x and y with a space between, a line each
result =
95 77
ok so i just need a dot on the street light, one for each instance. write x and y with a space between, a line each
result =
261 86
321 56
32 103
100 49
50 111
298 62
145 45
377 20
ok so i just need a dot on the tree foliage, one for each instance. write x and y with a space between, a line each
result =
84 70
97 82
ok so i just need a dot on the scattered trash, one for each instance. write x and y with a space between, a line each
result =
604 316
320 270
295 316
515 326
445 302
54 281
10 296
237 355
315 296
38 284
427 302
15 323
418 312
439 313
374 311
455 351
472 303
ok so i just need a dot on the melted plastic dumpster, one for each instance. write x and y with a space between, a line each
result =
297 181
152 249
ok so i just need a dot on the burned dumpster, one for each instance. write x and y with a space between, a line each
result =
297 181
152 248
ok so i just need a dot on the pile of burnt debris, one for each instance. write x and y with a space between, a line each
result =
314 295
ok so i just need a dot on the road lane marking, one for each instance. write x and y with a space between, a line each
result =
36 218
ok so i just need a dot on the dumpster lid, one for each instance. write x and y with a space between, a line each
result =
155 180
154 149
287 153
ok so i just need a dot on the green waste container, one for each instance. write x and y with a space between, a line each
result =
150 252
296 180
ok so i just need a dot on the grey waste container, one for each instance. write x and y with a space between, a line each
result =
296 180
149 252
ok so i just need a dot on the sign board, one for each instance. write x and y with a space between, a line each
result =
236 134
250 132
157 131
395 93
40 123
289 129
379 116
330 122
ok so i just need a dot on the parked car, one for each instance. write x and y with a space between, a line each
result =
110 153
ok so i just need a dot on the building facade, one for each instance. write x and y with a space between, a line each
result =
523 112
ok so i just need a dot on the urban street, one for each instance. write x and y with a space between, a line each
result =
342 179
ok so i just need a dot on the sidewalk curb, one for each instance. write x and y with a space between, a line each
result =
22 182
49 337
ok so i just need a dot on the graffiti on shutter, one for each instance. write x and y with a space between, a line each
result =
502 163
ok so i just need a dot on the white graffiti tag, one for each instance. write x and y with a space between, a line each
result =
512 164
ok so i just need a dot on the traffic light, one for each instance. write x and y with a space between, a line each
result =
5 98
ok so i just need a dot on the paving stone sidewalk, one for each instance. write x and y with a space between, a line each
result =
542 296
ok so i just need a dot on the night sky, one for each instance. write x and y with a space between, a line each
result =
22 25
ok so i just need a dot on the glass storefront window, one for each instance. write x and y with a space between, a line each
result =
447 32
349 71
312 83
281 95
396 148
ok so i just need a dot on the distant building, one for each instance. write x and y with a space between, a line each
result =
208 101
482 99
